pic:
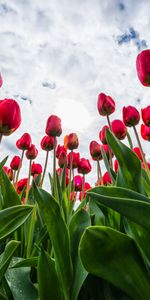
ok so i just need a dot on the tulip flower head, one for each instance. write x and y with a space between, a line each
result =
137 151
145 132
47 143
71 141
36 169
15 163
145 112
119 129
75 159
24 142
106 178
84 166
143 67
1 80
9 172
22 185
131 116
60 149
102 134
62 160
32 152
10 116
53 126
95 150
105 105
78 180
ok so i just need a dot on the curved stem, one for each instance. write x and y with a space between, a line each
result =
44 171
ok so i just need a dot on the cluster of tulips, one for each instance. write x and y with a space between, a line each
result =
98 250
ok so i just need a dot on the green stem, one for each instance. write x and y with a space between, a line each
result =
129 140
54 171
1 137
28 183
31 231
70 175
99 172
18 172
45 166
83 183
14 175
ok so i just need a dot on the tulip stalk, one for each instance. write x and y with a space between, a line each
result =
28 183
45 167
70 177
83 183
99 172
18 172
1 137
110 155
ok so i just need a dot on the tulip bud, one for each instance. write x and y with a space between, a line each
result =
105 105
71 141
22 185
10 116
32 152
53 126
1 80
137 151
95 150
84 166
131 116
75 160
62 160
145 132
9 172
36 169
78 180
107 179
15 163
47 143
146 115
60 149
119 129
116 165
24 142
143 67
102 134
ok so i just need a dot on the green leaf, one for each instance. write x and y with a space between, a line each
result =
10 196
129 174
79 221
48 284
3 162
59 236
114 257
13 217
6 256
107 165
28 262
136 210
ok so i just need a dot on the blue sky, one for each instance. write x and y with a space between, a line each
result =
57 56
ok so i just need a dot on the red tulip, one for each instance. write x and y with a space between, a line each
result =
119 129
84 166
36 169
106 178
62 160
71 141
87 187
24 142
75 160
1 80
32 152
59 149
22 185
137 151
108 151
10 116
146 115
15 163
116 165
59 171
105 105
102 134
78 180
9 172
47 143
143 67
53 126
145 132
131 116
95 150
148 164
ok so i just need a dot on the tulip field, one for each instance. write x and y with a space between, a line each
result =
51 249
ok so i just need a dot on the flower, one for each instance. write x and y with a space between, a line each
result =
84 166
73 196
145 132
102 134
53 126
9 172
143 67
145 112
116 165
131 116
107 150
32 152
137 151
24 142
47 143
62 160
105 105
95 150
119 129
1 80
87 187
36 169
59 171
78 180
75 159
60 149
106 178
15 163
71 141
22 185
10 116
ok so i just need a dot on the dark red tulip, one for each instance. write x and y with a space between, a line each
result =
53 126
119 129
95 150
10 116
131 116
75 159
9 172
106 178
143 67
78 180
108 151
84 166
137 151
87 187
47 143
22 185
102 134
145 112
116 165
105 105
59 149
36 169
71 141
32 152
24 142
15 163
62 160
145 132
1 80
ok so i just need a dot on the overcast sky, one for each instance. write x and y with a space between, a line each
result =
56 56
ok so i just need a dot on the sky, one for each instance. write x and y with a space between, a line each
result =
56 56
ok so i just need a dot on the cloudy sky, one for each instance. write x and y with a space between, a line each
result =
56 56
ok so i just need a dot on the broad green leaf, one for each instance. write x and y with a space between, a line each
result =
20 284
2 163
10 196
79 222
59 236
48 284
13 217
28 262
129 174
114 257
6 256
136 210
